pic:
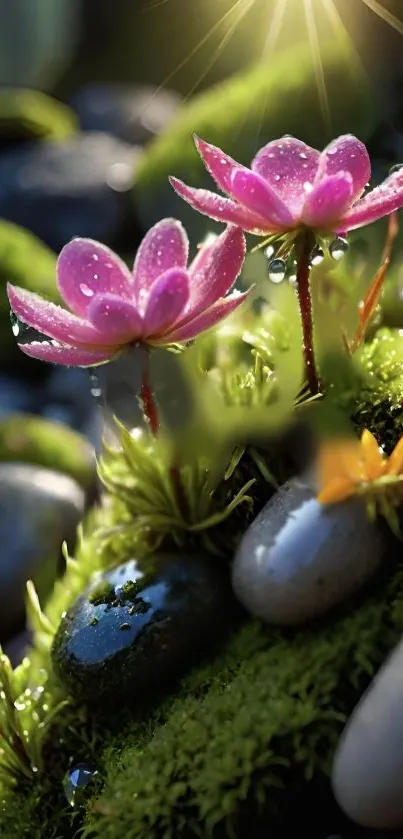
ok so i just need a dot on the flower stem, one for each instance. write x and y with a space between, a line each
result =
149 404
151 414
304 248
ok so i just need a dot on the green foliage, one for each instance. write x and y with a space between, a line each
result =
31 439
32 115
380 402
26 262
271 704
245 112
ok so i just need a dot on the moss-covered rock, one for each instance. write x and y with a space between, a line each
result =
28 263
245 112
31 115
243 734
30 439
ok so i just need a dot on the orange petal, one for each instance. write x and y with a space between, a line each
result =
395 462
375 463
336 490
339 458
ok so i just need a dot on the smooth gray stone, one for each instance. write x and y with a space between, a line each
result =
299 558
39 509
367 773
133 113
76 187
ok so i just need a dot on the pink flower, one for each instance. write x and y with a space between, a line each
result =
290 185
160 302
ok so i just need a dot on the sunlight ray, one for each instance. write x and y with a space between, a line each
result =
385 15
320 78
276 26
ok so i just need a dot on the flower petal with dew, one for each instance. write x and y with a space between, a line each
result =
162 301
291 186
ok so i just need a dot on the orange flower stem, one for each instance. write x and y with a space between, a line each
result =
304 247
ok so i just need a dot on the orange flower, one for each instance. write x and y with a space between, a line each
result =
359 467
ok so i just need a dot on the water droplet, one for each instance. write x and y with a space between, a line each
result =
338 248
303 156
75 782
277 270
317 255
24 333
277 177
86 290
16 325
395 168
292 279
269 252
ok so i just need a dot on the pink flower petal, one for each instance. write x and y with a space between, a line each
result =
214 276
383 200
69 356
328 200
50 319
164 246
253 192
220 209
287 164
219 165
86 268
116 318
167 299
346 154
207 319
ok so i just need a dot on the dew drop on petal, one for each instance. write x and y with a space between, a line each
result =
277 270
338 248
317 255
86 290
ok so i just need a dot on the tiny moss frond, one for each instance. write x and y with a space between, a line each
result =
26 712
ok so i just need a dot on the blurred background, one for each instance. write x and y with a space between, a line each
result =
98 103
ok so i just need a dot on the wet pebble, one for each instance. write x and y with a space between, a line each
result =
368 765
39 509
135 114
140 625
77 187
298 559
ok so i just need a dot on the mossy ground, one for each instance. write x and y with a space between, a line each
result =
252 726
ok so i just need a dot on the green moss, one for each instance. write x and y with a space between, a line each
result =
31 439
269 706
380 403
32 115
261 717
245 112
26 262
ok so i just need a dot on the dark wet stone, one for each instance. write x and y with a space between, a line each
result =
299 559
39 509
76 782
15 395
131 113
78 187
139 626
